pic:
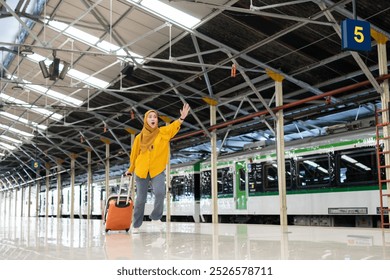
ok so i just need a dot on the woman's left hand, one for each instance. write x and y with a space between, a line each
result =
184 111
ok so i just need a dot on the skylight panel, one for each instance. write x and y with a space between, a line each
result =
8 146
80 76
171 13
16 131
109 47
10 139
54 94
73 32
36 109
89 39
23 120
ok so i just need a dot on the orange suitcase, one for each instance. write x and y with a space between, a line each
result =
119 210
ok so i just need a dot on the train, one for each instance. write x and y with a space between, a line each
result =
331 180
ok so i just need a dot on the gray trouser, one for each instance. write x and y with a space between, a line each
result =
158 188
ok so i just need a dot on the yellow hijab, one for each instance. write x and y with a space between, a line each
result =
148 134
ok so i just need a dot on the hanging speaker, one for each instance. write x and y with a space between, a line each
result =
43 67
54 69
64 70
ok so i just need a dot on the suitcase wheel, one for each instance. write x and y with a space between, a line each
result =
107 230
127 230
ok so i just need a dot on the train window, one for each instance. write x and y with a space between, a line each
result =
225 181
188 185
175 187
205 184
357 166
255 182
313 171
182 187
271 176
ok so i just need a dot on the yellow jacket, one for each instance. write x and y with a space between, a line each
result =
153 161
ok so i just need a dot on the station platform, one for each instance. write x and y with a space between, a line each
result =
23 238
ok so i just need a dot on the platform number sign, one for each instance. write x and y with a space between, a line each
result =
355 35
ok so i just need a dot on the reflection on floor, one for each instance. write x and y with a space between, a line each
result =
67 239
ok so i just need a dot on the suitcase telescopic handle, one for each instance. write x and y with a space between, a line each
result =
122 183
129 187
120 190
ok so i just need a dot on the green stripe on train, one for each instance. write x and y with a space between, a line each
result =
320 147
307 191
321 190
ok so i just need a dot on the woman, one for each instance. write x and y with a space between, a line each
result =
148 159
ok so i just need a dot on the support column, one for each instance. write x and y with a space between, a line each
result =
72 179
47 165
214 173
280 147
89 184
107 164
28 201
37 193
16 201
59 186
2 197
15 194
9 191
21 201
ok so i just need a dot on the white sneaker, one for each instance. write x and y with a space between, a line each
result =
157 224
135 231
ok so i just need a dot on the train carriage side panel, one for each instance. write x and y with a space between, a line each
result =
332 175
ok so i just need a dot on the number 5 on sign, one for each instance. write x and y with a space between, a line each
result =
355 35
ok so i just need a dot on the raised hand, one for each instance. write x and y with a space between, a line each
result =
184 112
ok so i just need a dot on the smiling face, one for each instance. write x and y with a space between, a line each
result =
152 120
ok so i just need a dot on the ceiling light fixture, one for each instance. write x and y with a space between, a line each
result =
53 73
44 71
26 51
17 87
54 69
64 70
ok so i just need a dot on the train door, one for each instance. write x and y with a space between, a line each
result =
240 188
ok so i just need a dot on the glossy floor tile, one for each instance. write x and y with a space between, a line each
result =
67 239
